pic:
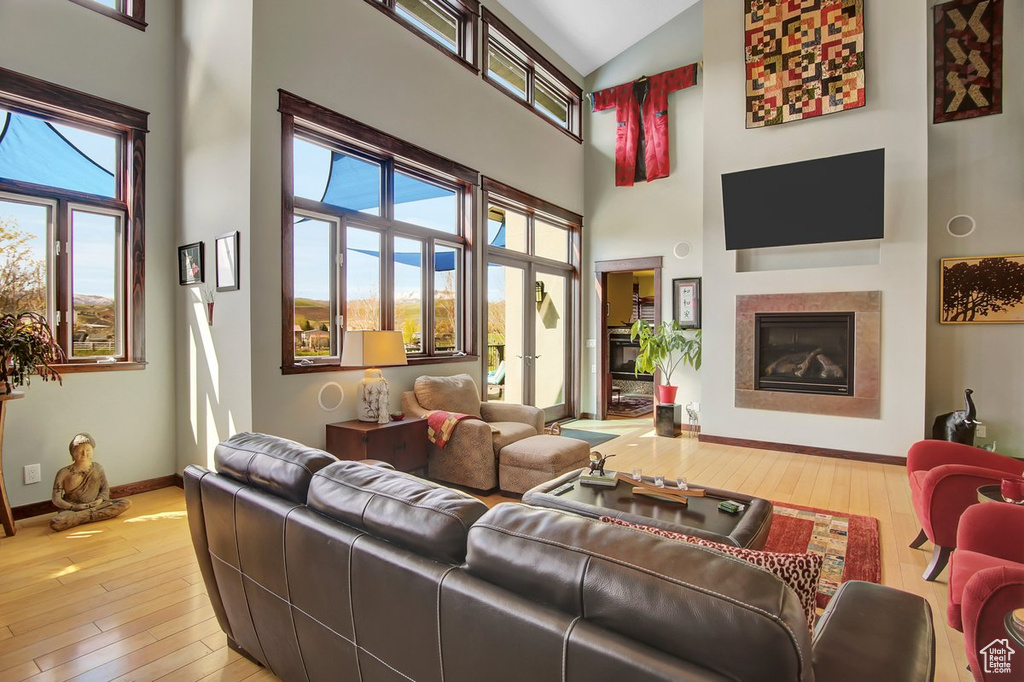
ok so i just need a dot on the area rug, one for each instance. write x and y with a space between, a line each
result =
848 542
631 406
594 438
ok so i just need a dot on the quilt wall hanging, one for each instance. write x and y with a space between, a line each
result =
641 119
968 59
804 58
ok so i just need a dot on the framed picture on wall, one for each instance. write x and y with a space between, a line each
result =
982 290
227 261
686 302
190 264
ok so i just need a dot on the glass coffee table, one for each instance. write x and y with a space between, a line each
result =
701 517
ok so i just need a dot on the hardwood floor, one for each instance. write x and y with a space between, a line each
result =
123 599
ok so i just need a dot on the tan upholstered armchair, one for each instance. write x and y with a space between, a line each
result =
470 458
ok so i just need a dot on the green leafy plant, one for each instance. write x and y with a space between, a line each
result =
664 347
27 347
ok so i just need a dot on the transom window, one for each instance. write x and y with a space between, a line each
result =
131 12
71 207
376 240
519 71
449 25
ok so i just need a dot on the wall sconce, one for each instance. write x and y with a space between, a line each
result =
538 289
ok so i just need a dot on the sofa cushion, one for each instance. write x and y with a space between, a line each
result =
683 599
800 571
452 394
272 464
411 512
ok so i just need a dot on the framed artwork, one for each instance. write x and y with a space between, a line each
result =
226 256
982 289
190 264
803 59
686 302
968 59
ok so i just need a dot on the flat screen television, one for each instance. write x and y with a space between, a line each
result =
836 199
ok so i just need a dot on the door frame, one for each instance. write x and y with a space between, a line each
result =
602 268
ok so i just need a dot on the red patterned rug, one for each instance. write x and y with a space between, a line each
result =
848 542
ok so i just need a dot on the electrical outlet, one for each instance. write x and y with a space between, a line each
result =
593 369
33 474
591 343
980 431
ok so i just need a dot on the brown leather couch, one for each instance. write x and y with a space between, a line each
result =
332 570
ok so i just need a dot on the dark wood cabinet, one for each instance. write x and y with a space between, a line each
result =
402 444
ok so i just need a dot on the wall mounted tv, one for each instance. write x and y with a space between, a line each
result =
837 199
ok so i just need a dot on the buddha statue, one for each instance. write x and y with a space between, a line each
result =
81 491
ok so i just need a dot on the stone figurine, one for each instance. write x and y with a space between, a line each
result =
959 426
80 489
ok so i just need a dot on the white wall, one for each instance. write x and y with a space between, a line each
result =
129 413
214 383
353 59
898 69
649 218
975 167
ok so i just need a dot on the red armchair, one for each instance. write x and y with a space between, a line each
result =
986 579
944 481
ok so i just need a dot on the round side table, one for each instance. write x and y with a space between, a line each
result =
990 493
1015 625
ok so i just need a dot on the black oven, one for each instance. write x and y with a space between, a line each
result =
622 355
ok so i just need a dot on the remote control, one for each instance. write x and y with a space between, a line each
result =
562 489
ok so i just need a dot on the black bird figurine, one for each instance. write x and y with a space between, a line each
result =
959 426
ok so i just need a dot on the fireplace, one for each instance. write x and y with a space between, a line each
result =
622 354
805 352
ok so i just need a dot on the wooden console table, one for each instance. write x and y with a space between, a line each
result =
403 444
6 517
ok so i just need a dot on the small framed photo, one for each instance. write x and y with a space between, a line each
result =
190 264
686 302
227 261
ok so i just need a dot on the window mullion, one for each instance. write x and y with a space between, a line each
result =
339 288
428 300
62 275
387 285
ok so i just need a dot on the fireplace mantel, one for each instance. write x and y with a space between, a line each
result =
866 306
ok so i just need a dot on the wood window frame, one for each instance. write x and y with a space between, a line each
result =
466 13
133 12
534 62
319 124
499 194
24 94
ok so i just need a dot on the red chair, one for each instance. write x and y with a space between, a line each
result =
944 481
986 579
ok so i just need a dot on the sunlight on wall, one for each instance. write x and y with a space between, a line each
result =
193 389
212 435
199 308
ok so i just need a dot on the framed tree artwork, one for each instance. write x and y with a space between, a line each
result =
686 302
190 264
983 290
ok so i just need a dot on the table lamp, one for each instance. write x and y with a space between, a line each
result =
373 350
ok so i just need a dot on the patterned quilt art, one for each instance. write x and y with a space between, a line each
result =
804 58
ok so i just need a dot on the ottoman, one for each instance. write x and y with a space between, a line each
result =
536 459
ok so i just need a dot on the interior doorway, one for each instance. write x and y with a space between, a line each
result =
627 290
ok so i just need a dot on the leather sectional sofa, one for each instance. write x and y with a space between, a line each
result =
331 570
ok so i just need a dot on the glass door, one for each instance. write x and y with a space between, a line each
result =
506 333
548 359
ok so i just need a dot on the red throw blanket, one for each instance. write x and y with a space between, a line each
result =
441 425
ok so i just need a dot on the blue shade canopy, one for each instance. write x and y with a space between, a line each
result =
496 233
355 184
31 150
443 261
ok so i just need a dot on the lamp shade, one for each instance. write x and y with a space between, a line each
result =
373 349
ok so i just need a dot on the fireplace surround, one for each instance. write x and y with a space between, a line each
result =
812 326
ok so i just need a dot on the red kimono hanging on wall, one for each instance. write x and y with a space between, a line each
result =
641 116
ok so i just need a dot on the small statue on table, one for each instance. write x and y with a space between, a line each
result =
81 491
597 461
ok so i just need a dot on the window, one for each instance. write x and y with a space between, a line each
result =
449 25
376 237
71 219
519 71
131 12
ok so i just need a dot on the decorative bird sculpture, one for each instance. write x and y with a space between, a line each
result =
959 426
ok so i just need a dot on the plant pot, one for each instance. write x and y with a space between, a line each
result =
666 394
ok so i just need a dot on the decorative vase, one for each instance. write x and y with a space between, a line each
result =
373 397
209 313
666 394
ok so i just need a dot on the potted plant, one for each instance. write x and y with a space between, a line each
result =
27 347
662 349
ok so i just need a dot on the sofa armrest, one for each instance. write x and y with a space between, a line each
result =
869 628
993 529
503 412
411 407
